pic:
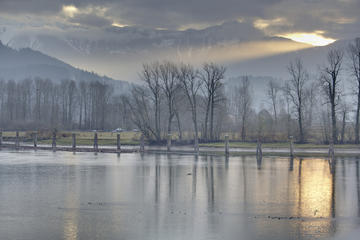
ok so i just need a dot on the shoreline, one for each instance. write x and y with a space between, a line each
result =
218 151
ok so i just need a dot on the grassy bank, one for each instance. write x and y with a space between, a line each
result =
278 145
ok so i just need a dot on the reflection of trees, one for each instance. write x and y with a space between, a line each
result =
209 176
194 176
358 186
157 178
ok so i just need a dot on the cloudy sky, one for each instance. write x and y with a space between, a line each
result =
316 22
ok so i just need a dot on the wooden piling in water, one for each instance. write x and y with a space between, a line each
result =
35 139
291 146
74 141
142 143
96 146
227 145
169 142
54 140
1 138
17 143
118 143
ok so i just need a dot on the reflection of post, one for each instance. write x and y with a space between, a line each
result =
118 144
73 141
96 146
169 142
1 138
17 144
291 146
142 143
227 145
291 166
53 144
35 136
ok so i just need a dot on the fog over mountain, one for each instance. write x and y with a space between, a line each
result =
120 51
27 63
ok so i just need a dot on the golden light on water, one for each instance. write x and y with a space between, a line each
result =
315 39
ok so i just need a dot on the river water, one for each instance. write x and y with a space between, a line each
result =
61 195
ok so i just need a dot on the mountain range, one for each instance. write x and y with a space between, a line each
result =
28 63
119 52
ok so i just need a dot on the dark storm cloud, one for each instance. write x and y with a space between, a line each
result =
160 13
90 20
337 18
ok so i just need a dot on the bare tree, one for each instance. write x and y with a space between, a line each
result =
330 81
191 85
344 113
150 74
354 55
212 76
244 104
296 90
169 78
273 92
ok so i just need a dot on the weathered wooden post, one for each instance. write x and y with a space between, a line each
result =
118 143
169 142
73 141
54 140
142 143
258 150
96 146
291 146
1 138
35 139
17 143
227 145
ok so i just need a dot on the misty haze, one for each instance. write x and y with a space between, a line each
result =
179 120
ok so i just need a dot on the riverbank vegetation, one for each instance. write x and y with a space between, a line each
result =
195 104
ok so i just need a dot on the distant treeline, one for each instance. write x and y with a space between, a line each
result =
178 97
44 104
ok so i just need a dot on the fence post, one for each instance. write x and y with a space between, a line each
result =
291 146
118 143
73 141
35 139
226 145
54 140
169 142
96 146
142 147
258 150
17 143
1 138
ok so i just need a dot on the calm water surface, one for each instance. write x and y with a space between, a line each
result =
46 195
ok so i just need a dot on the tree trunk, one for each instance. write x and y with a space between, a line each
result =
301 130
343 127
212 119
333 122
179 125
357 116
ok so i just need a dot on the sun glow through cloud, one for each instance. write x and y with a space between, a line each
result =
69 10
315 39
